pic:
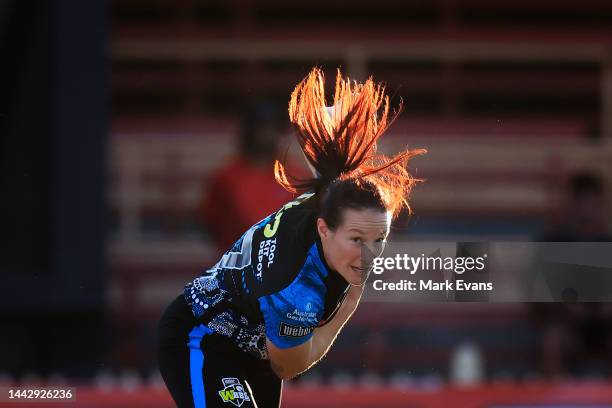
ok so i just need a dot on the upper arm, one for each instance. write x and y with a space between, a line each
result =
290 317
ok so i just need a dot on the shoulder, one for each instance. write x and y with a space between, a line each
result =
304 297
280 246
290 217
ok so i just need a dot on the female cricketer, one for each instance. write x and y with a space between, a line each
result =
272 306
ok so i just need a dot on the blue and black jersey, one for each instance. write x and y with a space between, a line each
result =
273 282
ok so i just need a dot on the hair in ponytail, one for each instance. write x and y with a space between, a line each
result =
341 146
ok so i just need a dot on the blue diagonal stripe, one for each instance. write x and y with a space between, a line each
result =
196 364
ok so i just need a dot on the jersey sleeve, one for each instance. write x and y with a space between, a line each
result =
291 314
289 289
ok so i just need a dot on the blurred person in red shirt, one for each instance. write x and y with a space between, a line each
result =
243 191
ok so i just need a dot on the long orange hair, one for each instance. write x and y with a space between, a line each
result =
342 145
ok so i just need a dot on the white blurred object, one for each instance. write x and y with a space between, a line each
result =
312 379
56 378
31 378
371 380
467 365
402 380
130 380
342 380
156 381
104 380
431 382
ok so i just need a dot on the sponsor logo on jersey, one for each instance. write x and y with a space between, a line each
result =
233 392
305 311
288 330
301 316
265 256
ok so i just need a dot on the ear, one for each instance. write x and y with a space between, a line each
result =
322 228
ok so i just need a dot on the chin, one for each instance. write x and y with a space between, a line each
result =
354 279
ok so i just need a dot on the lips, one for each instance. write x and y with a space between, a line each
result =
358 270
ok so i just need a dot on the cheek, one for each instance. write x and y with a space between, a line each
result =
344 253
350 253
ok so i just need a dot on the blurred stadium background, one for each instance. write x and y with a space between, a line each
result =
117 115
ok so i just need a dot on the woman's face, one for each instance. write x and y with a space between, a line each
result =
351 248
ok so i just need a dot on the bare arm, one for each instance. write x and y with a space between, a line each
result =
287 363
325 336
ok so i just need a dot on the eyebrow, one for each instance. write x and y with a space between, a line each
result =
362 233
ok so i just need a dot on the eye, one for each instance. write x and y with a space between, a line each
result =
381 240
356 239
